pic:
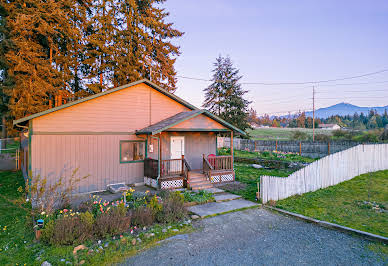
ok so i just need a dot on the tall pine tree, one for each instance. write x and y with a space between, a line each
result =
225 96
80 47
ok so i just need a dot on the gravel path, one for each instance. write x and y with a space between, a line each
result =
258 237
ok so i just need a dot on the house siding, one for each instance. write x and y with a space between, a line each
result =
199 122
196 144
122 111
95 156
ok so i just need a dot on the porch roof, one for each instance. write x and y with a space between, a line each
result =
183 116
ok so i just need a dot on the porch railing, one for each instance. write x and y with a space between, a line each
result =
221 162
206 167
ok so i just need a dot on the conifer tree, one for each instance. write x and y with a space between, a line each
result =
225 96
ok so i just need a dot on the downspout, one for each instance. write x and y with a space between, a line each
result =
158 139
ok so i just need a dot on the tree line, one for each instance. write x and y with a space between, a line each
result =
75 48
372 120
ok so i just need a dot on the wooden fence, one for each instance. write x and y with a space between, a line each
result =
328 171
316 149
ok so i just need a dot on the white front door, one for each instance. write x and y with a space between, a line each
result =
177 147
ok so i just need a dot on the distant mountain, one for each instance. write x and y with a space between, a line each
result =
344 109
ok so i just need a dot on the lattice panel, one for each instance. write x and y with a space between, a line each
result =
151 182
227 178
215 179
171 184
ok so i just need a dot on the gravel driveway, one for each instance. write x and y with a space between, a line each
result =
258 237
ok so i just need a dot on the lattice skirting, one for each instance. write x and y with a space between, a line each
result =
151 182
171 184
222 178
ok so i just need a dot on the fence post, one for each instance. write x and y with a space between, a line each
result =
183 164
300 148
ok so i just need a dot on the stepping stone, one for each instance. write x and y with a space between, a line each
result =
214 208
214 190
226 197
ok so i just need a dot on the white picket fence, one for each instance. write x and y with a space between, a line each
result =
328 171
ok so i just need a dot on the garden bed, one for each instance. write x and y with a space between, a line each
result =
97 233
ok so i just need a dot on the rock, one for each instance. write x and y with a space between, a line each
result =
133 241
175 230
106 245
188 221
169 227
144 228
80 247
68 262
46 263
63 260
194 217
257 166
164 230
139 240
82 262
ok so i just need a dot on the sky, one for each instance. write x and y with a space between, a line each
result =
285 42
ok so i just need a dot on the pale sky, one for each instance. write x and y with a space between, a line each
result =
285 41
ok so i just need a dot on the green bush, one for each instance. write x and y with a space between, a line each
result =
66 230
199 197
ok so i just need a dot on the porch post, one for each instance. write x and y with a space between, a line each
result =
232 148
183 164
160 154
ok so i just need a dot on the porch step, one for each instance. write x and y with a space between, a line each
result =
198 181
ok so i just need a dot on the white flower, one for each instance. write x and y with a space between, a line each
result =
43 213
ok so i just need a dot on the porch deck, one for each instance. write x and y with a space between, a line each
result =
175 173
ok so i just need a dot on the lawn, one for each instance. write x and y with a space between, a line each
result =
360 203
249 176
282 133
18 247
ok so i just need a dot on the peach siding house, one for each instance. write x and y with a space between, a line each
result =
131 134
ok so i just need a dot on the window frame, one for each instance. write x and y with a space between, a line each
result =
135 161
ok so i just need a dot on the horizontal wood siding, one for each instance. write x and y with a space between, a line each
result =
201 122
196 144
55 156
123 111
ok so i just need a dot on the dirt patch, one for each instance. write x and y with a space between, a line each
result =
233 187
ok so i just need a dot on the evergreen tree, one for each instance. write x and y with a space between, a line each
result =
225 96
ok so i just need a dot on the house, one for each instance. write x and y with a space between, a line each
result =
131 134
329 126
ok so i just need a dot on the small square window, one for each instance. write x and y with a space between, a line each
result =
131 151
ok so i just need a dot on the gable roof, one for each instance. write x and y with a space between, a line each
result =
181 117
145 81
162 125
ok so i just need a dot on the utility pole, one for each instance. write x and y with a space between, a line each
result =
313 113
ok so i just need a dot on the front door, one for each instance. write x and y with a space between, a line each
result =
177 149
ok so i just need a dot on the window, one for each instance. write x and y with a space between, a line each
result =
131 151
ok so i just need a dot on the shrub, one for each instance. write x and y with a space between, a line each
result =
322 137
66 230
173 208
115 221
200 197
143 216
299 135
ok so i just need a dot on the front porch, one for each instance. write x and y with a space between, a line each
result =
177 173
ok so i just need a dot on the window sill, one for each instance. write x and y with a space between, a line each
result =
137 161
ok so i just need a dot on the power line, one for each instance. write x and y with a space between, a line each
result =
294 83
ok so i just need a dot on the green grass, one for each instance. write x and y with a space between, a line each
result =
266 155
250 176
340 204
282 133
18 247
198 197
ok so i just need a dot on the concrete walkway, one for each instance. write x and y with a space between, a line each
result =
259 237
225 202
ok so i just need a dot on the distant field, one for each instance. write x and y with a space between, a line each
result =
274 133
